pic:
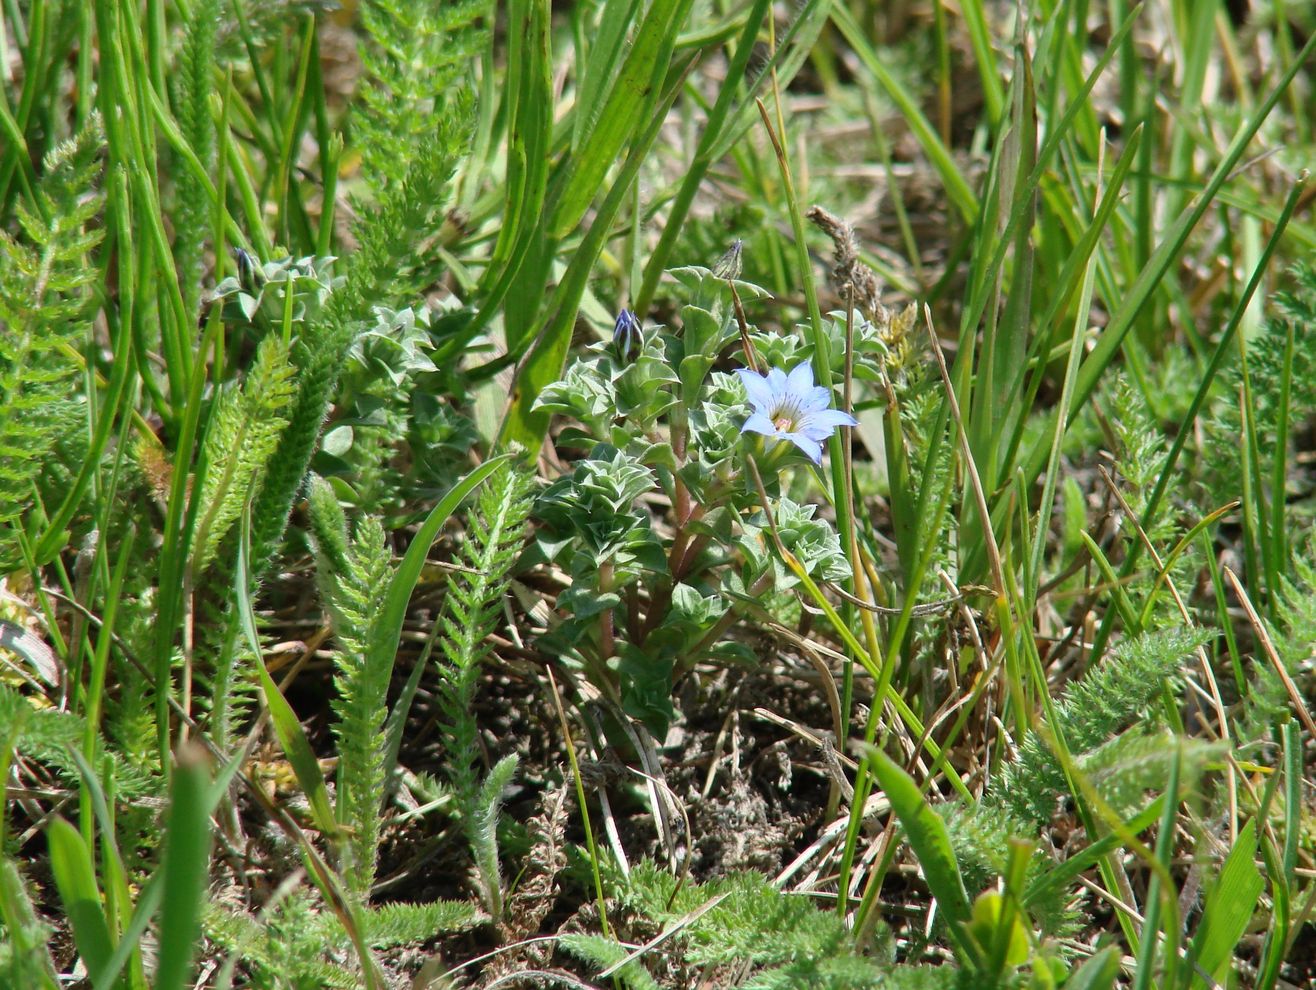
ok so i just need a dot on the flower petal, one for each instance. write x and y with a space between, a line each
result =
801 379
777 382
808 446
757 388
818 398
830 418
758 423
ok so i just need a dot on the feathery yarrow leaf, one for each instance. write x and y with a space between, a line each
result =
1109 698
471 613
245 429
196 69
410 140
46 308
357 600
414 54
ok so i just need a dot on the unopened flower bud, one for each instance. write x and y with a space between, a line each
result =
728 266
250 273
627 336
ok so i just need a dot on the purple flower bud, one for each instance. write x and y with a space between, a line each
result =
250 274
627 336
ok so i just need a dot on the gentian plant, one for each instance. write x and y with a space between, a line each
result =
660 524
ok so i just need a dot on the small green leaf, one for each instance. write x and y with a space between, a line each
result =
1229 908
1098 973
75 878
185 868
646 689
990 928
292 739
926 831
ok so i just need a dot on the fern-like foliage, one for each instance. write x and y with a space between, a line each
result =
1104 702
283 949
297 945
536 888
497 532
1141 448
257 25
980 835
1291 318
410 924
1295 633
788 940
232 688
604 953
246 423
51 736
416 53
44 734
196 72
46 306
472 609
356 601
482 828
328 531
24 938
928 978
413 60
1122 769
1129 766
243 435
1294 636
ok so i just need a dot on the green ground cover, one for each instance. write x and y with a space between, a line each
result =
651 493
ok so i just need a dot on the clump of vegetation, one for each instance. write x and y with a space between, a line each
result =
454 533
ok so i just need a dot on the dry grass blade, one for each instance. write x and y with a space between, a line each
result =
1268 647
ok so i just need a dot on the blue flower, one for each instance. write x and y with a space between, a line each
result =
790 407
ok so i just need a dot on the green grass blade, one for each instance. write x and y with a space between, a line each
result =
384 648
927 835
1224 349
631 104
152 895
989 75
544 363
177 538
292 738
1274 949
1005 341
961 194
1228 909
979 294
148 903
75 878
530 134
1158 897
1098 973
1053 882
1149 279
703 158
185 868
1294 785
794 45
605 51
